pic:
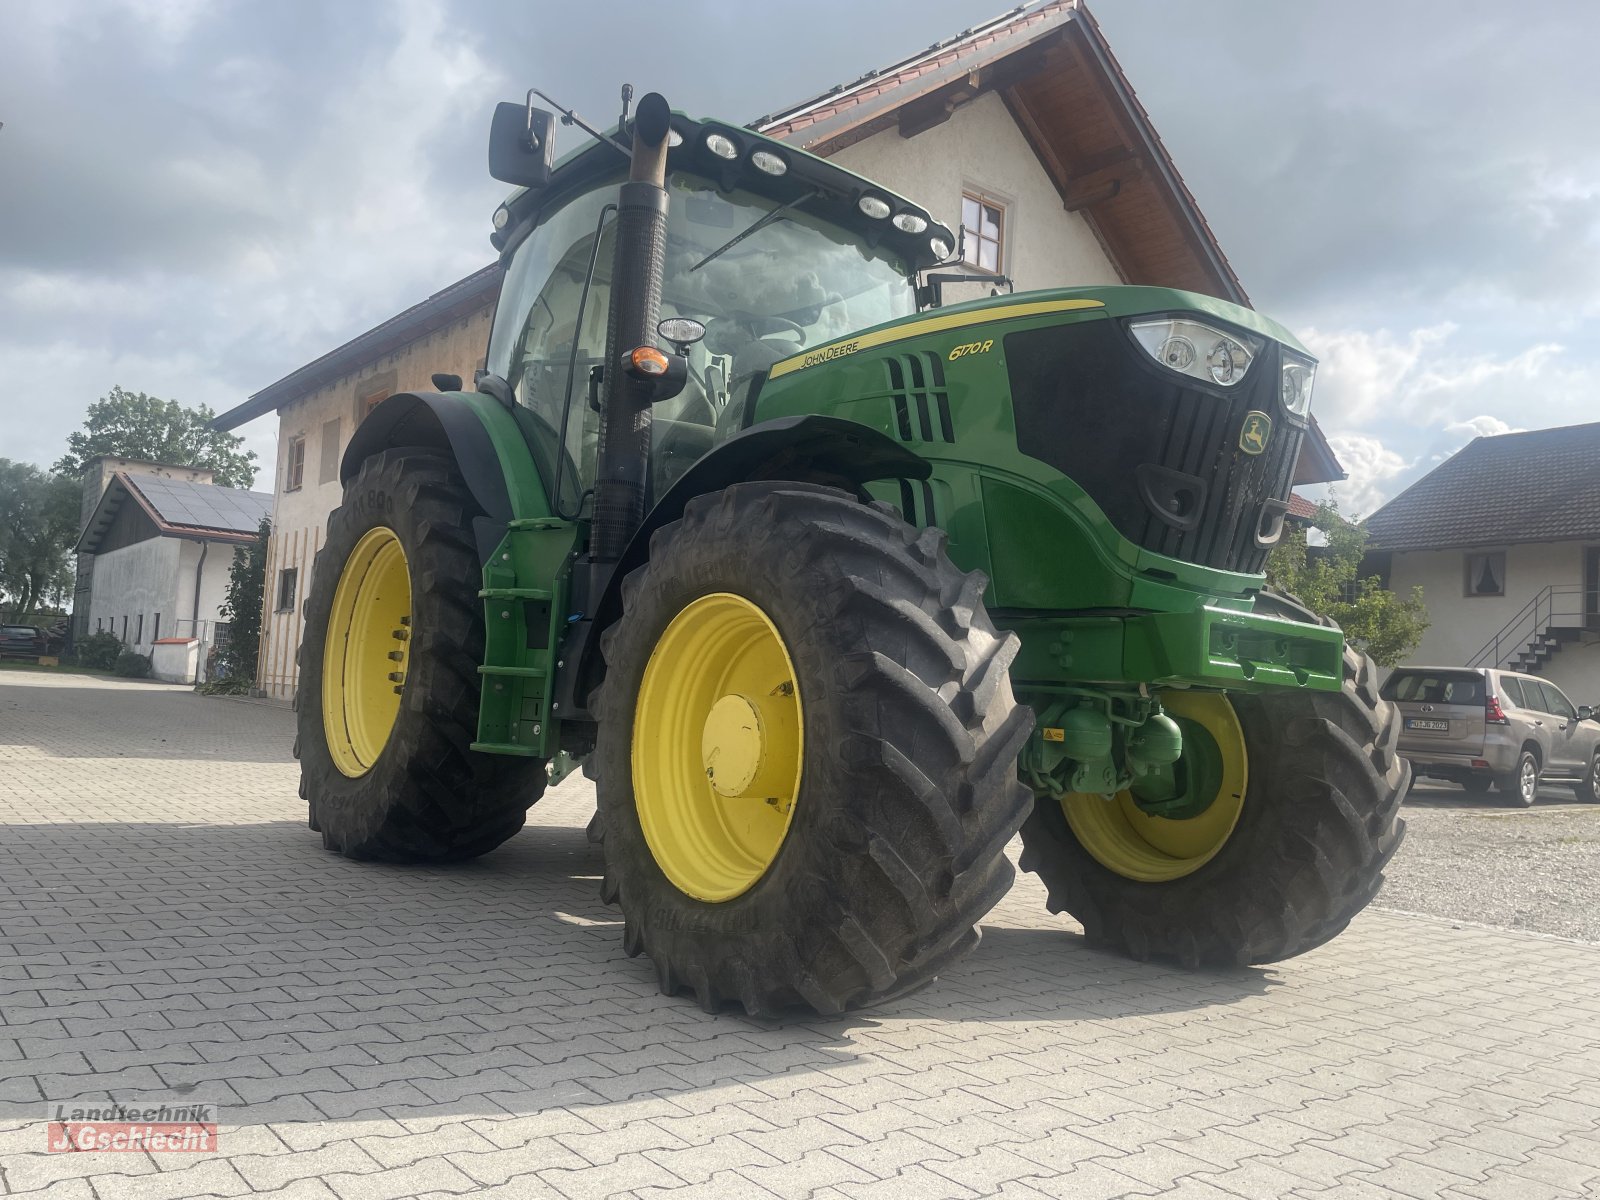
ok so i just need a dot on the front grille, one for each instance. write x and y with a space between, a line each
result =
1161 458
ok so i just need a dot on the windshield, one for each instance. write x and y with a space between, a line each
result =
791 283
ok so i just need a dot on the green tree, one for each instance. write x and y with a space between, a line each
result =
1325 578
37 531
134 425
247 581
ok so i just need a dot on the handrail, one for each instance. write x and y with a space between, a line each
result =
1533 619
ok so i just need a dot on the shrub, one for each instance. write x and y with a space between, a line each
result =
98 651
132 665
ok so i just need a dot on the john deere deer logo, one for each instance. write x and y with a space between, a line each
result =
1256 433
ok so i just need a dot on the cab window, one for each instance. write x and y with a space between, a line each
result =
766 282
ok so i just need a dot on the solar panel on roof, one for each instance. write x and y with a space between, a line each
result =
204 505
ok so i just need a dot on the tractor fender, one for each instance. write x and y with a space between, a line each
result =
805 449
497 456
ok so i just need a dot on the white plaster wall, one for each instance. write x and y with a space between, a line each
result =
1576 671
980 146
213 579
1462 625
158 576
141 578
176 661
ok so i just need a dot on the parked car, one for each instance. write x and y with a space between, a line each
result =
1481 728
23 641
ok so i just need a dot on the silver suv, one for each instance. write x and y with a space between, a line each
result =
1478 727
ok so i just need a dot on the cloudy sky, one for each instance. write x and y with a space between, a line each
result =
198 196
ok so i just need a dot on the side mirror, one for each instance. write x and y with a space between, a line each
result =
1585 712
522 144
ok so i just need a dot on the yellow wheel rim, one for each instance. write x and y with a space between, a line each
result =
718 742
1151 849
364 663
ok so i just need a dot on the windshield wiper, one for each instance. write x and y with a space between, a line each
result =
756 226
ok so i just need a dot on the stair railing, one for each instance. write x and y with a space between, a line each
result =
1535 618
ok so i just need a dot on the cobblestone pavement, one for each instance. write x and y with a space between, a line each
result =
168 927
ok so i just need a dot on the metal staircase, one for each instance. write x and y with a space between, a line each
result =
1554 617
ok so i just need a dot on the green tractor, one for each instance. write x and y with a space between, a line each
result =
832 589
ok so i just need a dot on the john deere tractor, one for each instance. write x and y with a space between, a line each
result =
833 588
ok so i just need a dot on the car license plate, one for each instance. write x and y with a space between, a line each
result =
1427 726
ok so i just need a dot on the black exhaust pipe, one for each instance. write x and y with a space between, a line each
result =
622 475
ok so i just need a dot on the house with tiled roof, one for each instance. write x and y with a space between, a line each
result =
1022 130
1504 539
159 542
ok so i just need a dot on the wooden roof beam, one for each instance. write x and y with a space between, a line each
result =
930 111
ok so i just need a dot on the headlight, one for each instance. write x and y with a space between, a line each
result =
1298 375
1197 350
768 162
875 207
721 145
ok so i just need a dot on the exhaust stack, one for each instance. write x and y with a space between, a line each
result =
622 475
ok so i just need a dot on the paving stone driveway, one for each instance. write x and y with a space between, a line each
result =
169 927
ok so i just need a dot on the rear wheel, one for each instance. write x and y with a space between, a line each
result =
1588 788
1520 785
806 753
1292 817
388 699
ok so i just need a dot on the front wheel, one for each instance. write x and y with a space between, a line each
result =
1290 818
388 698
806 753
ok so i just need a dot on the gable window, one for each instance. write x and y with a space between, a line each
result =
1486 574
983 221
330 452
287 581
294 472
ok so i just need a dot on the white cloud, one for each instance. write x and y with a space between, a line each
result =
1396 403
1362 372
1371 466
1480 426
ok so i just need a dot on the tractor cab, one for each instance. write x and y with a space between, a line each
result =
770 250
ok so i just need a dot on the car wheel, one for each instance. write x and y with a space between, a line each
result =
1477 785
1521 784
